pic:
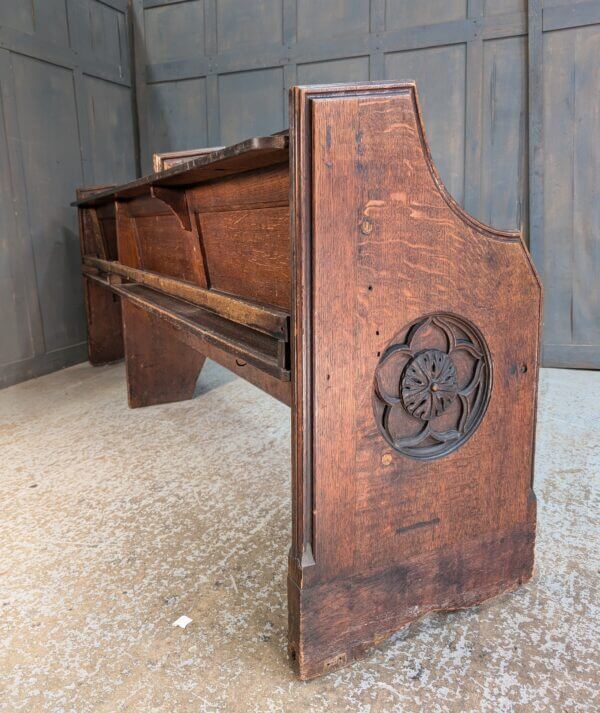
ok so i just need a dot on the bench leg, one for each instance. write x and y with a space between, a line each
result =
160 368
105 331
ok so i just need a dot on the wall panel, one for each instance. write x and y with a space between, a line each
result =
174 31
407 13
16 341
50 146
250 104
353 69
504 133
51 22
499 7
440 75
112 130
178 115
253 23
331 18
571 252
17 14
66 119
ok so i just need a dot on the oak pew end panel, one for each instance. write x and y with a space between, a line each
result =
416 347
332 270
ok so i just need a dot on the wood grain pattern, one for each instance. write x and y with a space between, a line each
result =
382 246
247 155
105 331
413 353
97 233
248 253
265 319
266 187
168 159
160 369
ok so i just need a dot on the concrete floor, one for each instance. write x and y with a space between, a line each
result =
113 523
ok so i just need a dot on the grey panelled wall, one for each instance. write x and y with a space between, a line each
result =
66 119
512 116
567 185
510 92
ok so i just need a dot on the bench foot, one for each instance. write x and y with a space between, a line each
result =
160 368
105 331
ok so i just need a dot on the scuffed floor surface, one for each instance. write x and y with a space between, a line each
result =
114 522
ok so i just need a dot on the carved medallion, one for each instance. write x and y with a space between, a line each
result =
432 386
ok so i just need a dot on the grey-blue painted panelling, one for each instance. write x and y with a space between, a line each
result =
252 23
408 13
176 112
15 343
17 15
111 131
331 18
354 69
174 31
571 264
61 125
500 7
250 104
52 168
504 133
440 76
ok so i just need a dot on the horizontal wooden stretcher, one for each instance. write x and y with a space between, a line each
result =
330 267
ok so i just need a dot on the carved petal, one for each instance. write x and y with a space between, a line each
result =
412 440
445 436
470 387
463 344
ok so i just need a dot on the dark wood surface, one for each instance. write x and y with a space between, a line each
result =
410 363
168 159
381 538
250 154
160 369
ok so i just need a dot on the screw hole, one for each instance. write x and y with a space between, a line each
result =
523 368
239 362
377 332
378 353
370 288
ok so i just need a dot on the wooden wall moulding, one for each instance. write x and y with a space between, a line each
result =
331 268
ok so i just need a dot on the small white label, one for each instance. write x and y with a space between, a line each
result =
182 622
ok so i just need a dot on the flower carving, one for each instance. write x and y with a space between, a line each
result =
429 384
432 386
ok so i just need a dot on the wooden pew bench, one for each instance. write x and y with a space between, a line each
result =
330 267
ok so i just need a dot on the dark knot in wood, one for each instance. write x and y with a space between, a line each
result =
429 384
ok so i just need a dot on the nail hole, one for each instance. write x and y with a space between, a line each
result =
378 353
377 332
370 288
328 377
523 368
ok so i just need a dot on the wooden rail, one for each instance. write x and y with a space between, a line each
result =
268 320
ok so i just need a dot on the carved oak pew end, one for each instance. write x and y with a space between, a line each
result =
332 269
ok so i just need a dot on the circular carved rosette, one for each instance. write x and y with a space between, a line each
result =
432 386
